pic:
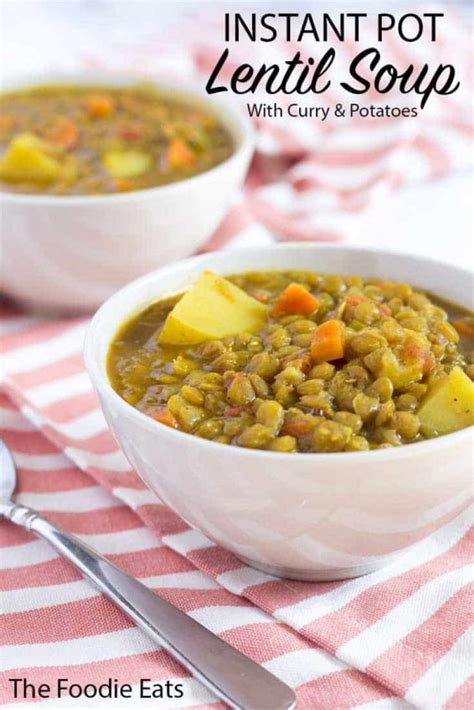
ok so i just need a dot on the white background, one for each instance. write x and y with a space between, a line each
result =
435 219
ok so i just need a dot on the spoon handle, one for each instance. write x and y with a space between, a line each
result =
226 672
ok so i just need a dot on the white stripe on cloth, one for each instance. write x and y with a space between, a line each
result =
88 649
446 675
80 428
58 390
253 236
41 462
12 420
219 618
14 601
135 497
80 500
8 326
113 461
237 580
303 666
187 541
45 353
377 638
120 542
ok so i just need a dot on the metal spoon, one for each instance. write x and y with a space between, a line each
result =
229 674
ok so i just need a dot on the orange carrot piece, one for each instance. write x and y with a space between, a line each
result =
64 133
296 427
464 326
99 106
164 416
6 122
384 309
180 155
234 411
328 342
129 133
124 184
295 300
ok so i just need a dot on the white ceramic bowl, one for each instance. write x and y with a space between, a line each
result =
71 253
305 516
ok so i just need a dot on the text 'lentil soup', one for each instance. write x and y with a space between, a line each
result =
79 140
300 361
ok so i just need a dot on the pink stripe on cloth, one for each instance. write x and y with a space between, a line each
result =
367 654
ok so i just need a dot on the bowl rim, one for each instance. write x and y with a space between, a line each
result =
232 116
102 383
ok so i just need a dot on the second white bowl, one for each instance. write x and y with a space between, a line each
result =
71 253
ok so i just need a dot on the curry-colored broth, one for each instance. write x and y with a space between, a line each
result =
164 139
147 374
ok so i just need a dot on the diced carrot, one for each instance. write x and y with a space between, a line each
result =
99 106
295 300
234 411
124 184
129 133
465 326
164 416
180 155
297 427
64 133
384 309
328 342
6 122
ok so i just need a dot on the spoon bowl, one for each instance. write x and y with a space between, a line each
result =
7 478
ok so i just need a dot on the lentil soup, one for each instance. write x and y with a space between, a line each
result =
300 361
80 140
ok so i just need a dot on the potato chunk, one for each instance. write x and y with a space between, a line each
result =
212 308
27 159
126 163
449 405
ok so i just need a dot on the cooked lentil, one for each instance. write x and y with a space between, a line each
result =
79 140
265 390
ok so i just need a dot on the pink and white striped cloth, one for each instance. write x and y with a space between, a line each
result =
398 638
393 639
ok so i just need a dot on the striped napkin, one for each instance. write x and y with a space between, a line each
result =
398 638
